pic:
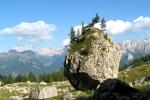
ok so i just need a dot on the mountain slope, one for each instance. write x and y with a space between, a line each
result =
137 77
14 62
134 49
49 60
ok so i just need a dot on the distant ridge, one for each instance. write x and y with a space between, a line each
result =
134 49
16 62
49 60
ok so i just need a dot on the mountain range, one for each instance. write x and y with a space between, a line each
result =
22 61
134 49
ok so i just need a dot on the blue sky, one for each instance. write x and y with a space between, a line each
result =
57 16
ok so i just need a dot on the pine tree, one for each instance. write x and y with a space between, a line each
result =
46 77
40 78
78 35
72 36
106 36
9 79
103 24
24 78
83 28
20 78
32 77
96 19
2 78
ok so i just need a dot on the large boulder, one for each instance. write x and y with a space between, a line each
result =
38 93
114 89
91 60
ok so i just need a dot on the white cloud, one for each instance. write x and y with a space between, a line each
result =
66 41
120 27
40 51
142 23
35 31
23 48
49 51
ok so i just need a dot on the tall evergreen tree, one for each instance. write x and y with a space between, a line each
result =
78 35
83 28
72 36
40 78
32 77
2 77
9 79
96 19
103 24
20 78
24 78
46 77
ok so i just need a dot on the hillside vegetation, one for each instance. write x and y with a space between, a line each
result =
46 77
137 73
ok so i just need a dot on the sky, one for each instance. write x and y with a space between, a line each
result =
46 23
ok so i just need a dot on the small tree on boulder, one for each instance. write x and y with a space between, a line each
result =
103 24
96 19
72 36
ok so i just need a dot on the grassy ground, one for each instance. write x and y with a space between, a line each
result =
128 75
61 87
136 73
5 94
71 90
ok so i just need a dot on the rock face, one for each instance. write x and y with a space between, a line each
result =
91 60
113 89
132 50
43 92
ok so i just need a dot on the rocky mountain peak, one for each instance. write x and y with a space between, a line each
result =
134 49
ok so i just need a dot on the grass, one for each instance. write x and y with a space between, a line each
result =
74 92
59 97
136 73
86 94
5 94
128 75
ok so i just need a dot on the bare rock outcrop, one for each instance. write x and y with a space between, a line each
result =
38 93
91 60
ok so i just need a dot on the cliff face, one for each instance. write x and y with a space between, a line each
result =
91 60
134 49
